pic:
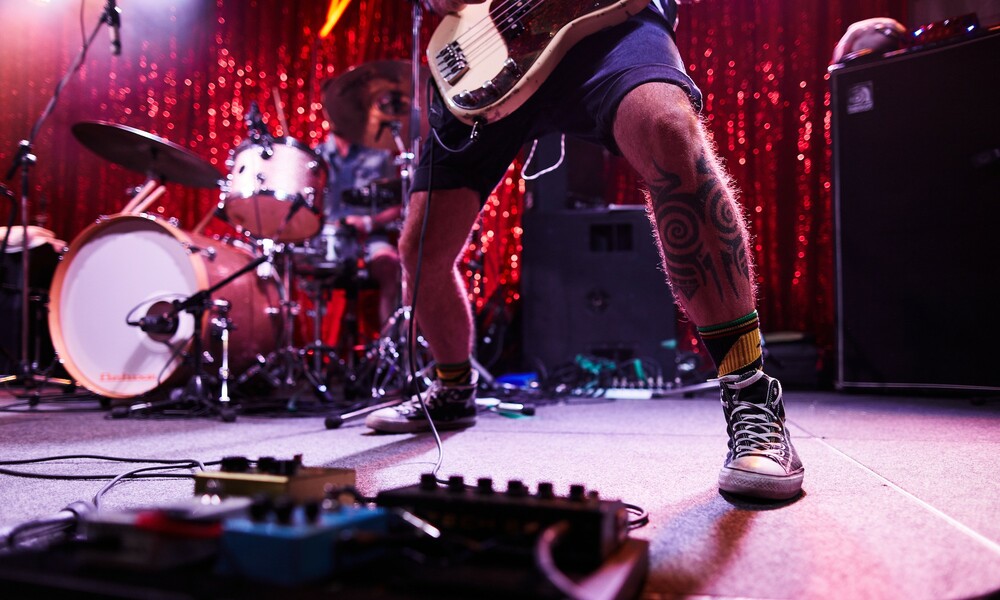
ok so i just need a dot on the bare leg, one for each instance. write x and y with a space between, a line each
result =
385 270
704 239
693 208
443 310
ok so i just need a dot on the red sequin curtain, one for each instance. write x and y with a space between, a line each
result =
190 68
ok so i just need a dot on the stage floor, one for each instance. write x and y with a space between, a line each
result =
901 493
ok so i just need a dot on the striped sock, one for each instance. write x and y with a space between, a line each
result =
734 346
455 373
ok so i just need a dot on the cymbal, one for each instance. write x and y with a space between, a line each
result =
364 101
146 153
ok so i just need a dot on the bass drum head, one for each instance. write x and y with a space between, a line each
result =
114 273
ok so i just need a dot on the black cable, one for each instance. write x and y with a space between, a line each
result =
139 472
135 474
411 339
83 26
641 516
64 520
28 461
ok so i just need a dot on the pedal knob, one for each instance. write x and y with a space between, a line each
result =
545 490
287 468
456 483
284 508
428 482
484 485
516 488
311 511
235 464
577 492
260 507
266 464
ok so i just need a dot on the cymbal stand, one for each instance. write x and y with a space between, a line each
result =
384 369
24 159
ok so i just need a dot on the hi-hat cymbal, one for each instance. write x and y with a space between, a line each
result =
364 101
146 153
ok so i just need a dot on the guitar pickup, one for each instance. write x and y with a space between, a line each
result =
492 90
451 62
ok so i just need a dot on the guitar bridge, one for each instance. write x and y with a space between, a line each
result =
451 62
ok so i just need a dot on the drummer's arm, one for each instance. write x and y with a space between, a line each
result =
387 217
382 220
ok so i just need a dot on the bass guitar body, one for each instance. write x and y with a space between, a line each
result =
488 59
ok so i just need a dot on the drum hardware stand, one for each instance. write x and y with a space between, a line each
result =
349 333
24 159
281 368
385 367
197 389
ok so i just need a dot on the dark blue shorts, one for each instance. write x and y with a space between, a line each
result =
580 98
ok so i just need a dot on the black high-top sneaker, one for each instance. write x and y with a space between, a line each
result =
450 406
762 461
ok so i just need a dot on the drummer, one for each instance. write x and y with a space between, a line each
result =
357 151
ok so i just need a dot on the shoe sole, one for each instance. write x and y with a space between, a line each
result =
408 427
757 485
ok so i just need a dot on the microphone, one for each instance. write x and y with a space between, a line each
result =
113 17
161 324
257 131
391 125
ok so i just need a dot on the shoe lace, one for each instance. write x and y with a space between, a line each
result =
437 395
756 430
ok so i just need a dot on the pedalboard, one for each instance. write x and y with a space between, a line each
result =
240 476
597 528
155 539
294 545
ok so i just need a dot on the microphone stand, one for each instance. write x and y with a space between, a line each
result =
196 391
391 359
24 159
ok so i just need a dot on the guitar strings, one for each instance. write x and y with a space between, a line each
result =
503 10
476 47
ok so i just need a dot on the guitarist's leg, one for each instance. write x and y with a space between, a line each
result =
704 243
694 209
443 310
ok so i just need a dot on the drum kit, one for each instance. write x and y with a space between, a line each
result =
142 309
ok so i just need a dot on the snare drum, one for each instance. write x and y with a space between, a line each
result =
275 191
334 251
128 266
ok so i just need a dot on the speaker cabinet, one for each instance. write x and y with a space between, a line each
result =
916 151
592 284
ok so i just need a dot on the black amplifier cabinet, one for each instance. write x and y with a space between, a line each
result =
592 284
916 157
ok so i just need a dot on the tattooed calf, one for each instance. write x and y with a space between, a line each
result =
686 221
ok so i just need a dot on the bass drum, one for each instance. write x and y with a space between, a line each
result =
129 266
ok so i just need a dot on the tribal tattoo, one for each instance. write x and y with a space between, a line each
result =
687 220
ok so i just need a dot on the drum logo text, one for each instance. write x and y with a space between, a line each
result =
127 377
